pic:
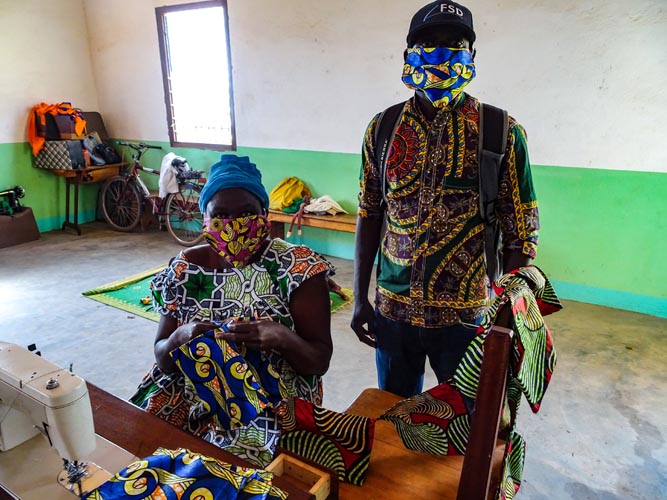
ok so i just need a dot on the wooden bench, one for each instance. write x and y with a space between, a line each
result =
344 222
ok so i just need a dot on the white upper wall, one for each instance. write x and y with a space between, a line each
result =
586 78
45 57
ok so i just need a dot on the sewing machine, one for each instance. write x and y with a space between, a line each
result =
39 397
12 204
33 470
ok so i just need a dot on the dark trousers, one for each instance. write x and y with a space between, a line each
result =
402 350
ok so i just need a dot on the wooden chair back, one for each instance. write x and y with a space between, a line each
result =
476 473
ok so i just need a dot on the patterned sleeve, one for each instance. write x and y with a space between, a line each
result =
297 264
370 195
164 288
517 203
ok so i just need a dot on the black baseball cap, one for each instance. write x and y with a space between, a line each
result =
443 14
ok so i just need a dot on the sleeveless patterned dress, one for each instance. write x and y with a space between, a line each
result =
192 293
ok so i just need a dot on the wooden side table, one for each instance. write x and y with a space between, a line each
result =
87 175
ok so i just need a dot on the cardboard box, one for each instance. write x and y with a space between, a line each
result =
18 228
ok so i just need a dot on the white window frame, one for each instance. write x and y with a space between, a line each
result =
160 13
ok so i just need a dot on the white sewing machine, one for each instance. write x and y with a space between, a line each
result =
39 397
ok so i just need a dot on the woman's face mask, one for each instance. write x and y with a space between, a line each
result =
441 73
237 240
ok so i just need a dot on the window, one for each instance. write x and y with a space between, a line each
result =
196 72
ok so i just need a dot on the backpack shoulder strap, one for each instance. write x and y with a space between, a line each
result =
493 131
385 129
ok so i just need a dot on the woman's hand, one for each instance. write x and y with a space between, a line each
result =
184 333
261 335
308 348
170 336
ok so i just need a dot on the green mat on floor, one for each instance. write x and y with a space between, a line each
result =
126 294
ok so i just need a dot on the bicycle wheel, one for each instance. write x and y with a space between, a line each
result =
122 203
184 219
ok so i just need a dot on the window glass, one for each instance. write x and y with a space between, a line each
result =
196 69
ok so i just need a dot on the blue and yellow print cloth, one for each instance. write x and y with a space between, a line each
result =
232 383
183 475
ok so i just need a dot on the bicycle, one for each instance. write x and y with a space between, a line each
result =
125 197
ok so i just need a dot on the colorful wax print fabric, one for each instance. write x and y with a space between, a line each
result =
338 441
192 293
531 297
168 397
181 474
233 384
432 268
236 240
513 461
435 421
533 358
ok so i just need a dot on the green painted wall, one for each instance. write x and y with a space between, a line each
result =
335 174
603 236
604 228
603 231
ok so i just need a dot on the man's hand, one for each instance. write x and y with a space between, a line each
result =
364 315
366 246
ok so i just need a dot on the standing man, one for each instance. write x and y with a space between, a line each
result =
422 211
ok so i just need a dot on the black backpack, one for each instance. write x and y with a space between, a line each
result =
107 153
493 130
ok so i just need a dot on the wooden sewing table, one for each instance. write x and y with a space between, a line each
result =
141 433
394 471
76 177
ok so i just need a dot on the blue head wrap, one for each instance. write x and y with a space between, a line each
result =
233 172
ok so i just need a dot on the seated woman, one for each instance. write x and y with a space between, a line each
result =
240 272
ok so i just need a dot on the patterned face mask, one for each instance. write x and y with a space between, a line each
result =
441 73
237 240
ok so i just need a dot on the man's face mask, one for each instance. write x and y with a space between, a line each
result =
236 240
441 73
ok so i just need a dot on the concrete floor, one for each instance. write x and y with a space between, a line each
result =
599 435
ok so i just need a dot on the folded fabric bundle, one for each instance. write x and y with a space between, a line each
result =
338 441
435 421
184 474
324 205
234 384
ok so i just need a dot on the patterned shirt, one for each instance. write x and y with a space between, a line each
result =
432 271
